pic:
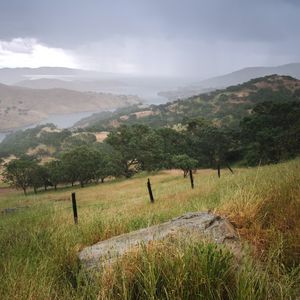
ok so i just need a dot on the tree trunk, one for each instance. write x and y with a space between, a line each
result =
55 187
25 192
102 180
191 178
34 189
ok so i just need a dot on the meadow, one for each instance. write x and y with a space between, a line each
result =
39 243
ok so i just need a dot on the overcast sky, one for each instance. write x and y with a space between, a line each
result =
193 38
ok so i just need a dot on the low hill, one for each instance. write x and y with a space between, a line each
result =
223 107
233 78
23 106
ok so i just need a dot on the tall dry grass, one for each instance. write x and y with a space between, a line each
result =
39 244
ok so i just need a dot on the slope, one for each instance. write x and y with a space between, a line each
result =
23 106
39 244
223 107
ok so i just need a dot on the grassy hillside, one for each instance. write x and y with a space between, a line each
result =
24 106
39 244
224 107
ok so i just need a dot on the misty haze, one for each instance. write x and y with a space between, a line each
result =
150 149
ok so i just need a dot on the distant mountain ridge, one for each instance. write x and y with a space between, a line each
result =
236 77
76 85
13 75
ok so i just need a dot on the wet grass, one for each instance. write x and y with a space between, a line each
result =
39 244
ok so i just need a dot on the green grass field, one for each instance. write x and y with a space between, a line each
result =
39 243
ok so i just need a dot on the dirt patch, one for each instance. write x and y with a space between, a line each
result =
101 136
143 114
242 94
124 118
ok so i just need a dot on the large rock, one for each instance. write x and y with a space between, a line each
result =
205 225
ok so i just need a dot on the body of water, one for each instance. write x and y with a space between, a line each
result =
148 95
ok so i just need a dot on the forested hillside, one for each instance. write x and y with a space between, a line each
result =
225 107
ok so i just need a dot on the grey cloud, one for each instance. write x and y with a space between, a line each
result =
215 35
67 22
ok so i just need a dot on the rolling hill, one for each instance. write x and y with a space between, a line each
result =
23 106
223 107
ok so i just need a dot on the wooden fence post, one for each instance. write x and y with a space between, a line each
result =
228 166
219 170
74 208
150 191
192 179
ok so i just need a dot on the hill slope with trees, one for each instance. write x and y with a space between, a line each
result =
254 123
226 107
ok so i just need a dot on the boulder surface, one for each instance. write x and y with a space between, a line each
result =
205 225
